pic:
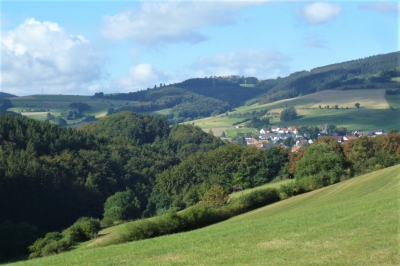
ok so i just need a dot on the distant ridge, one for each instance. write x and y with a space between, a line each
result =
7 95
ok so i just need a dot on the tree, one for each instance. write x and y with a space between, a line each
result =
357 105
215 196
322 162
223 135
61 121
122 206
288 114
110 111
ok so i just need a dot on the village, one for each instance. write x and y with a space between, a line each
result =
298 137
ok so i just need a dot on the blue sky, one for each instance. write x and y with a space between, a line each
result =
82 47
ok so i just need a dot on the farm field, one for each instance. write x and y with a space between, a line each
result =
354 222
393 100
372 114
58 104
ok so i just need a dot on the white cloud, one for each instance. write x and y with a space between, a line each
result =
320 12
139 77
172 21
42 54
261 64
382 7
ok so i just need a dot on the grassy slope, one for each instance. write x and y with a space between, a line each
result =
373 113
355 222
59 103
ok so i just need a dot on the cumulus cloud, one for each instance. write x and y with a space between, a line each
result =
320 12
171 21
139 77
42 54
382 7
261 64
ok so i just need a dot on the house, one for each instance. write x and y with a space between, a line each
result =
324 130
267 136
337 138
275 128
359 134
249 136
295 148
310 141
375 132
251 141
283 130
293 129
348 137
264 131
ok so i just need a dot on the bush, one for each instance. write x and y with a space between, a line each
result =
259 198
215 196
290 190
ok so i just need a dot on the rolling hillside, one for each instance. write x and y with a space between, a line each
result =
342 84
354 222
374 112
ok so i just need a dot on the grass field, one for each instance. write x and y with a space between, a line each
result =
59 103
373 114
355 222
269 185
393 100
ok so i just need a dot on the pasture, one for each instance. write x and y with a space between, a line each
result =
33 105
354 222
372 114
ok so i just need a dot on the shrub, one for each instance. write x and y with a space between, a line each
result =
215 196
290 190
260 197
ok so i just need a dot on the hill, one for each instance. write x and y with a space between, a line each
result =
373 113
6 95
354 222
204 97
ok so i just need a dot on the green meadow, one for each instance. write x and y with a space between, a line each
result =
355 222
373 113
276 185
59 103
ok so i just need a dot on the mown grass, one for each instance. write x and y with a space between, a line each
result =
355 222
59 103
276 185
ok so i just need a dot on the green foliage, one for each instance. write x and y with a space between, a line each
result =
320 163
61 122
5 103
122 206
198 216
228 166
15 238
215 196
288 114
54 242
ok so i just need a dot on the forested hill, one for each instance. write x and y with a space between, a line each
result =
361 73
6 95
50 176
202 97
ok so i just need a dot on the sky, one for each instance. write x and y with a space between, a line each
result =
83 47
